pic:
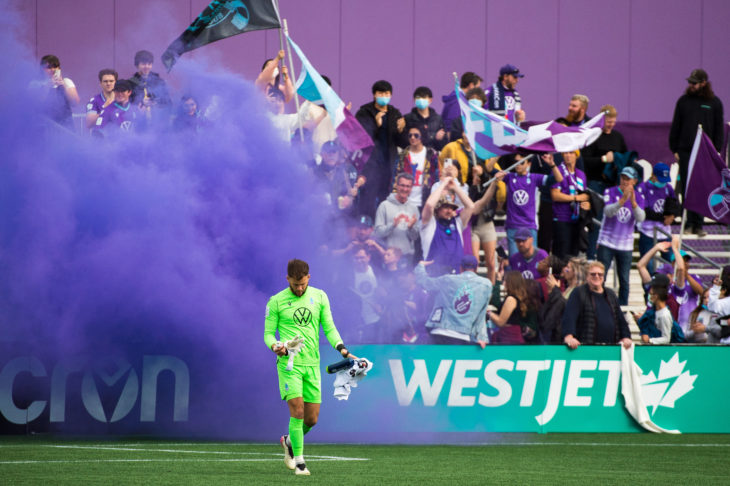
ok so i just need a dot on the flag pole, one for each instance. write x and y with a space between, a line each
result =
692 159
486 184
281 32
292 77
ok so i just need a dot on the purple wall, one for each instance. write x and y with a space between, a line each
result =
633 54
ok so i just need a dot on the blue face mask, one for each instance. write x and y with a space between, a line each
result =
475 102
382 100
421 103
658 184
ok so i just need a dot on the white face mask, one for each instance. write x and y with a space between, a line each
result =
276 72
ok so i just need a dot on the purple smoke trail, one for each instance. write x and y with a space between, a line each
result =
155 243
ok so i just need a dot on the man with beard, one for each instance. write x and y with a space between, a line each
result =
298 312
698 106
577 110
502 97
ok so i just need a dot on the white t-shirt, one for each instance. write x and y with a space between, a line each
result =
663 321
418 161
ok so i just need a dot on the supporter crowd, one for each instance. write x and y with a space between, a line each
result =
422 212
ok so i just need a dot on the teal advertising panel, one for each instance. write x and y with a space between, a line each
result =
454 389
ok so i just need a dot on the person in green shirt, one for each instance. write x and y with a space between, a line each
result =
297 312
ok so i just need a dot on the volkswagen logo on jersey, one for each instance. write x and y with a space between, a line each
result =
521 197
302 317
658 206
527 275
623 215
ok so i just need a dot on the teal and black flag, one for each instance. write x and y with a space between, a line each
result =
221 19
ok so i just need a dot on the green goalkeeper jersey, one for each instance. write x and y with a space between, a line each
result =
292 315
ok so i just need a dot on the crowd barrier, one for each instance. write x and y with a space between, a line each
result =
412 394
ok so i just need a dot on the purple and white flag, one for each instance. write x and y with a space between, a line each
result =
311 86
708 181
492 135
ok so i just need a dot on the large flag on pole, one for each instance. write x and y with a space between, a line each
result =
312 86
221 19
492 135
708 181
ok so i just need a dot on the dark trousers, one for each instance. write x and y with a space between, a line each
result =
545 225
606 256
594 229
694 220
566 239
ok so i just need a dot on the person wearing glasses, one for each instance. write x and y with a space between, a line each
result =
396 217
592 314
422 163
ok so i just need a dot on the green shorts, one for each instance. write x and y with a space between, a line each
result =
302 381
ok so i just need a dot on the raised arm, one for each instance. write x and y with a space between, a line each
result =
644 261
433 199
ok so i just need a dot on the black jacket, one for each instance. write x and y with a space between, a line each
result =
387 139
429 126
690 111
579 318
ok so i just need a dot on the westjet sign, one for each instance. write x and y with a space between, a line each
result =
495 378
451 389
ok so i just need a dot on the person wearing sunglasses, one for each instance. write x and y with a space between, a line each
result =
592 314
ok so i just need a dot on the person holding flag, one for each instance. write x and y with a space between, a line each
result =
698 106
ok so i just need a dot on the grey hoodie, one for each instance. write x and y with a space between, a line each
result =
399 236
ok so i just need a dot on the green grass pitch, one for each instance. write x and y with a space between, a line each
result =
594 459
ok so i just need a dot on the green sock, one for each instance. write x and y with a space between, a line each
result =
306 428
296 436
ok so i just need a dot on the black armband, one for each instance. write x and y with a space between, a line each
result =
340 347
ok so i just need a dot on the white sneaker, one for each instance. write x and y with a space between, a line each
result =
301 470
288 452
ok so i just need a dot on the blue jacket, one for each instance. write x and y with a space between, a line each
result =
460 302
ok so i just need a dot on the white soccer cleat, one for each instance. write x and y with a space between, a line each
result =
288 453
301 470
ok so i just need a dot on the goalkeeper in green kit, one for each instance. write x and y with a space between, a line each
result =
297 313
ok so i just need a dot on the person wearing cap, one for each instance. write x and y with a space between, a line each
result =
697 106
441 227
459 314
397 217
624 208
592 314
120 116
361 232
502 97
528 256
340 179
661 207
687 292
424 117
665 273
